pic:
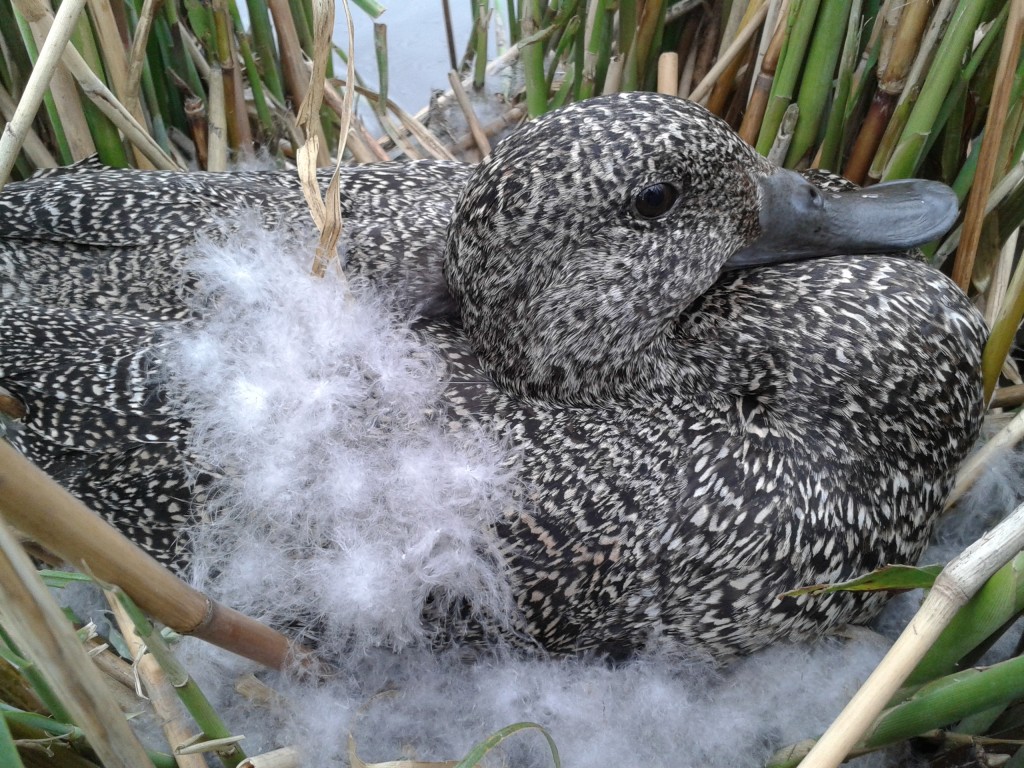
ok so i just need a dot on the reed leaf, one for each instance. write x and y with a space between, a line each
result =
8 749
949 700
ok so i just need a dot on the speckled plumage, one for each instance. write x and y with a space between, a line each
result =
691 442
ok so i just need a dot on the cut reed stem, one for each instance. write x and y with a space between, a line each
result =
46 513
957 583
14 134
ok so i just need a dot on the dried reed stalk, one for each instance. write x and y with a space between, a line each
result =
326 211
174 720
731 53
21 122
668 73
761 88
475 130
39 15
959 581
35 150
963 266
43 633
42 510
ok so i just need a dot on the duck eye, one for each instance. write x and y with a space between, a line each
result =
655 200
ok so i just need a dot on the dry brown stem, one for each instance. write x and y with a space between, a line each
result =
477 132
43 633
42 510
988 159
66 100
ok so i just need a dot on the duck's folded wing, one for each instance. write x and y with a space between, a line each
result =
120 240
91 412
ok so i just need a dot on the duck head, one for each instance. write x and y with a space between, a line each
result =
579 241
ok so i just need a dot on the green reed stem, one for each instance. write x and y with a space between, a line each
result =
9 652
533 59
481 27
265 47
949 700
825 46
997 602
8 749
799 26
597 48
188 691
946 65
104 135
253 75
56 125
832 143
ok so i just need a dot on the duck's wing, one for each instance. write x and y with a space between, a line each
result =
93 415
119 240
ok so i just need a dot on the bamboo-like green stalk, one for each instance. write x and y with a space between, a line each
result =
265 48
514 31
175 57
651 35
997 602
563 50
115 63
627 25
253 74
822 55
480 26
949 700
223 54
30 671
188 690
157 58
954 106
830 153
46 725
104 135
597 50
302 15
799 25
908 152
911 52
370 7
532 56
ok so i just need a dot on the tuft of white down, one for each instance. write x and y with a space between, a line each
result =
341 503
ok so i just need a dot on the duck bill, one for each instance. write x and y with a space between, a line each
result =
799 221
